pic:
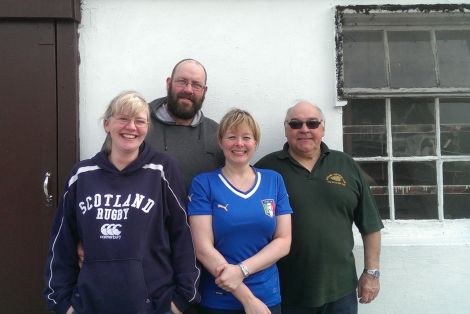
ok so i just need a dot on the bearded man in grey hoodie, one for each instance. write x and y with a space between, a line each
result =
179 127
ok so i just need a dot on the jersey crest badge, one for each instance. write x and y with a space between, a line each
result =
269 207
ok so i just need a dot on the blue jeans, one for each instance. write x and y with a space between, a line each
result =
345 305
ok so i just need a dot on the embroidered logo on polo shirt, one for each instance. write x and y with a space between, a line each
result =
336 178
269 207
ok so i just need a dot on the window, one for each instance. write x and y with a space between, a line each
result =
406 80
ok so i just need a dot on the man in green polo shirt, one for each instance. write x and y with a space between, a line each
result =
328 193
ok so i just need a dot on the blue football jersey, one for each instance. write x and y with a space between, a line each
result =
243 223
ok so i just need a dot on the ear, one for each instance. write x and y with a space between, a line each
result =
168 82
322 129
106 125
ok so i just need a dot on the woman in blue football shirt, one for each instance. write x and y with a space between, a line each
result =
241 225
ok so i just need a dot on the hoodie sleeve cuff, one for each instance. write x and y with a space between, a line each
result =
63 306
181 303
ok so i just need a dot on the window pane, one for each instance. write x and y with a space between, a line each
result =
415 190
376 174
364 128
413 127
454 58
456 189
455 126
411 59
363 57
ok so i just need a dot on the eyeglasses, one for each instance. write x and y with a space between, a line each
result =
198 87
138 122
297 124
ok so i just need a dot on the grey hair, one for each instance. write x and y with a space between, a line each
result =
298 101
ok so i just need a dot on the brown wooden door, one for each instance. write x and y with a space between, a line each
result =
28 149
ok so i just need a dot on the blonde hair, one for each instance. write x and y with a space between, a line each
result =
236 117
130 103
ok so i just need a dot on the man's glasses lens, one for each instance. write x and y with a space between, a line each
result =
311 124
195 85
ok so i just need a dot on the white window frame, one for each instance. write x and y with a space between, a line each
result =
347 19
438 158
393 18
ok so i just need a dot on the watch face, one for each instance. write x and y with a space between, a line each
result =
245 271
373 272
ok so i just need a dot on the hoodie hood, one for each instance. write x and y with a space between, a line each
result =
145 155
194 147
158 109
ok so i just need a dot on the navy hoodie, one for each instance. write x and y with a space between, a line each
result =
139 255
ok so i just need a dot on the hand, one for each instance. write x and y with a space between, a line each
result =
81 254
174 309
255 306
367 288
229 277
70 310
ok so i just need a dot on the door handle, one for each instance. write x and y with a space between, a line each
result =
45 187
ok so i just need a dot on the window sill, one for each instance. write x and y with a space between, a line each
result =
423 233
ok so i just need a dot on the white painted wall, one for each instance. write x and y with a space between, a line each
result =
425 268
262 56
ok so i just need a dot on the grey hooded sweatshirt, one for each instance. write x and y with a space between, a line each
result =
194 147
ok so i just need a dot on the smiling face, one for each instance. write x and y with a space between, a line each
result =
304 142
126 121
238 145
184 99
127 131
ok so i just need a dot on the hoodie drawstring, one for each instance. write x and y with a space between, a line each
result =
164 139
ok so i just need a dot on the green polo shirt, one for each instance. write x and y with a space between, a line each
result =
326 202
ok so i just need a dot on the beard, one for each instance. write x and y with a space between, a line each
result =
180 111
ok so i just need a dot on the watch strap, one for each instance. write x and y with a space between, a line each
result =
373 272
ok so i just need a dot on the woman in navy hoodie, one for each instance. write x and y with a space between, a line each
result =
126 205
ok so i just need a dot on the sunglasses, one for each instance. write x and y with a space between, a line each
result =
297 124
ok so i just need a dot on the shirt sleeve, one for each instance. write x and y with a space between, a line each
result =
61 271
282 205
367 217
186 271
200 196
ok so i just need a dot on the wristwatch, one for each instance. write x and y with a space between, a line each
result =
244 269
373 272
